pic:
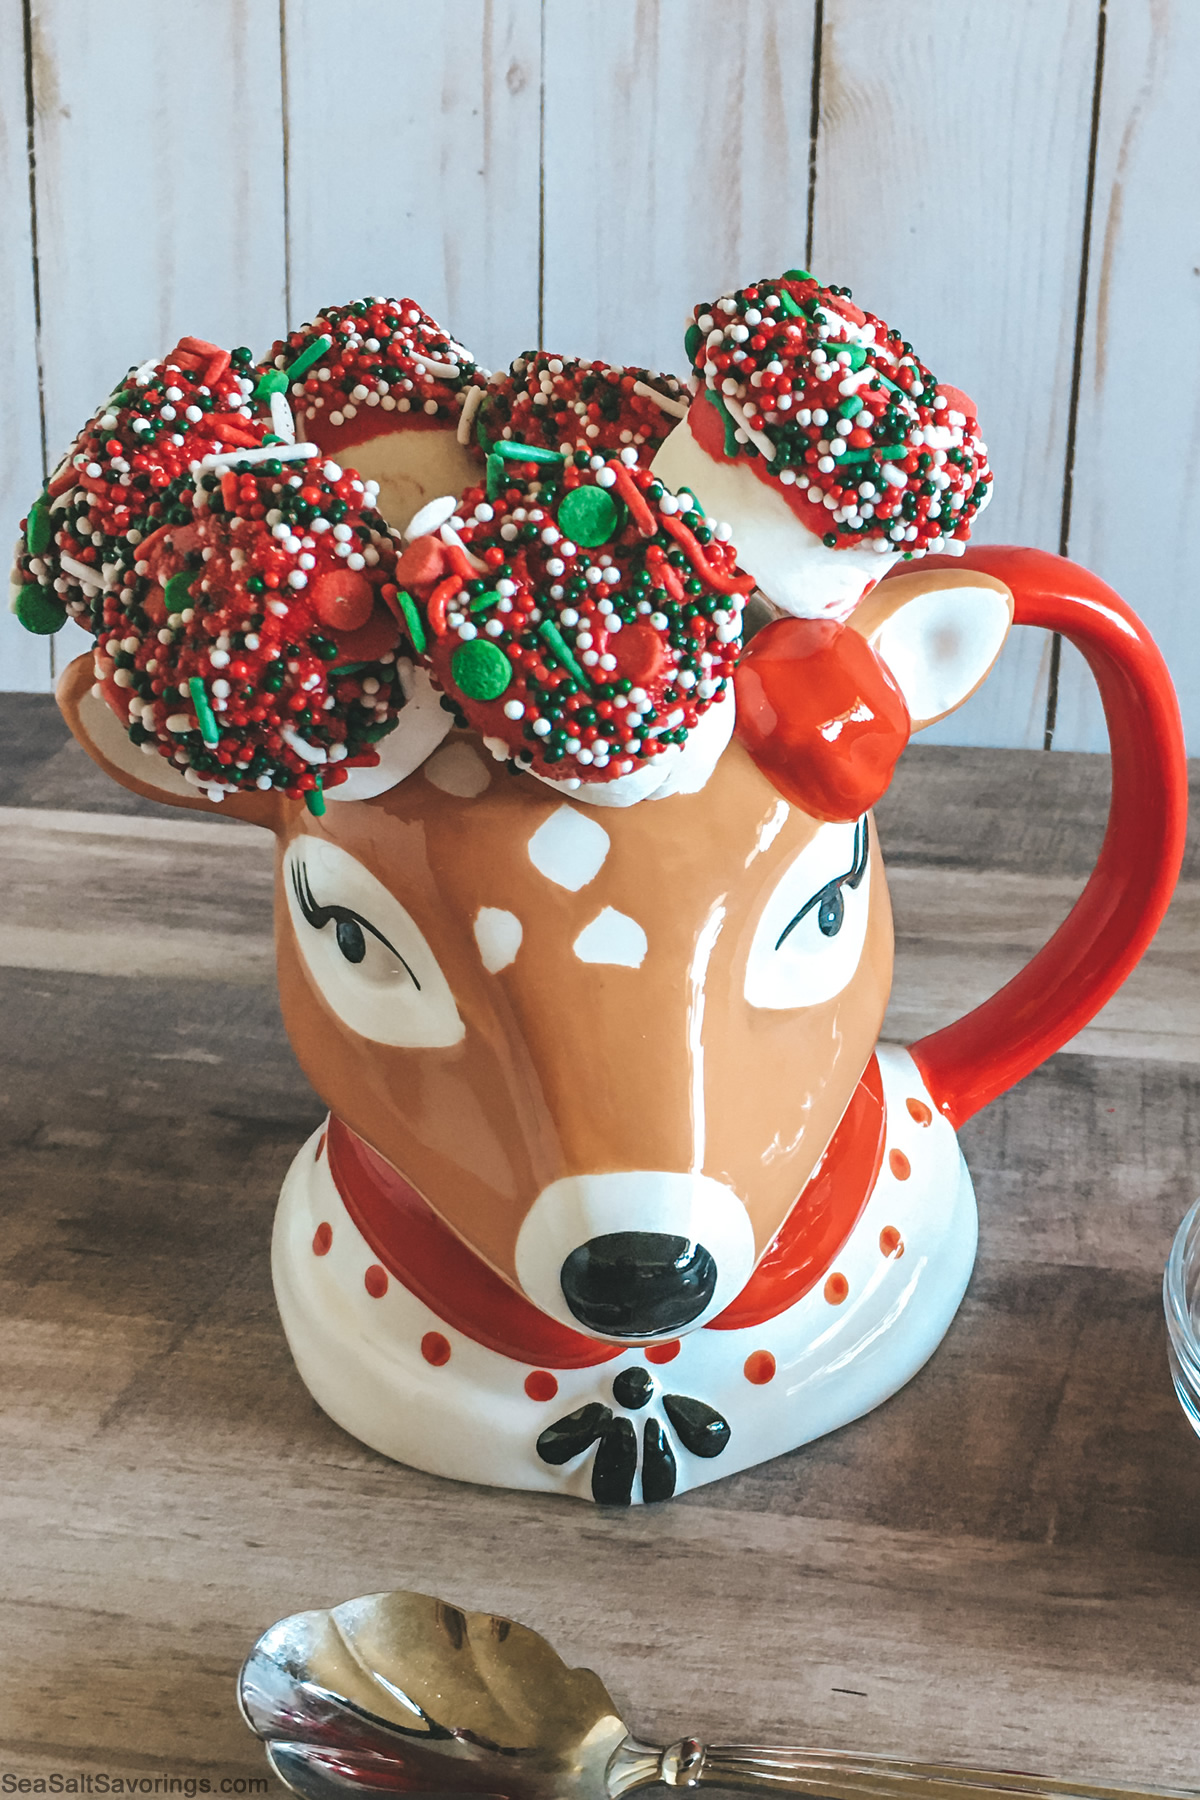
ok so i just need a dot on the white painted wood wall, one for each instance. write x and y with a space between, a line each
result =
1012 182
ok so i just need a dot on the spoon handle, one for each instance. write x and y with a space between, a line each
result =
839 1775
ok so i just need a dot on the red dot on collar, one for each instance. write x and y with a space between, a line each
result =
541 1385
759 1367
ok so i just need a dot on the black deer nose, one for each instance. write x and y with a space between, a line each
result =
638 1283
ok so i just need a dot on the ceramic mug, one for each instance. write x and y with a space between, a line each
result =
618 1192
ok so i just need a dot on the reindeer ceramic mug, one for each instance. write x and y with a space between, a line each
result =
626 1186
619 1193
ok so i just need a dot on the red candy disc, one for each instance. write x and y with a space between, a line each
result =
342 599
820 715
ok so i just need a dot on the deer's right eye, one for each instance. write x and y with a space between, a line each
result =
365 952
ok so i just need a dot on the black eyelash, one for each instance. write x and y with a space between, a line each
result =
850 879
319 916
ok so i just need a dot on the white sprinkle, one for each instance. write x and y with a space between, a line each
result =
81 572
310 753
224 459
469 407
677 408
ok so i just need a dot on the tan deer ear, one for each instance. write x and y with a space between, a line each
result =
97 728
938 633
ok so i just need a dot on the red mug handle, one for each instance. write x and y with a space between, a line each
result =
969 1063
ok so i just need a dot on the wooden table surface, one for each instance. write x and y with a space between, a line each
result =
1002 1563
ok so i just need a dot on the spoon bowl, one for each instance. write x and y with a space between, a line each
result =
406 1693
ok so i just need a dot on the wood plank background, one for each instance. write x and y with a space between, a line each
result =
1001 181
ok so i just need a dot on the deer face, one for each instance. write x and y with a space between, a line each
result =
564 1026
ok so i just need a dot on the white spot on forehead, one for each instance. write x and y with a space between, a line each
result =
569 848
458 770
612 937
498 934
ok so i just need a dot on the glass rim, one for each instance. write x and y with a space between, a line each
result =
1185 1340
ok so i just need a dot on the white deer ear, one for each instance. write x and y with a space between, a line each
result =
939 633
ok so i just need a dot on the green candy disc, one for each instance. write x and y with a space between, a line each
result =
176 592
480 669
693 337
39 531
589 516
38 611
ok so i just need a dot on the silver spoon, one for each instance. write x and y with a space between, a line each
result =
400 1693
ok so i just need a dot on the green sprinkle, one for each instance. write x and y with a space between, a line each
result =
412 618
314 799
589 516
204 712
796 275
891 452
480 669
693 338
854 456
732 446
514 452
39 531
550 634
273 382
497 480
789 305
349 668
307 358
177 594
38 611
851 407
890 384
480 434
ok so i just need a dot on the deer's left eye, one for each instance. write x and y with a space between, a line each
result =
809 939
366 953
